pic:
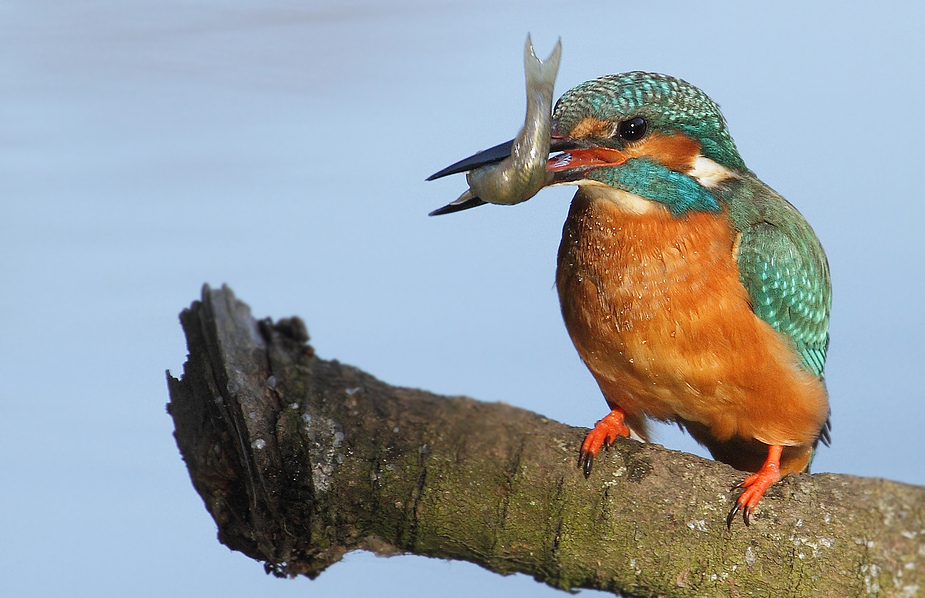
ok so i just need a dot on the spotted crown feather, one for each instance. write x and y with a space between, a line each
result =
665 101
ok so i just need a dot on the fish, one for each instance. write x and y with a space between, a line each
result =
514 171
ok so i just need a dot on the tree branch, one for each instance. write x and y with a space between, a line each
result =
300 460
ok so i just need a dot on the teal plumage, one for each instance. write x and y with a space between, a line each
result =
783 268
649 178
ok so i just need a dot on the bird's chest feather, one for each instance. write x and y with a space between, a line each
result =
656 309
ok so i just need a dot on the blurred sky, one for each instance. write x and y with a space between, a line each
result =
281 147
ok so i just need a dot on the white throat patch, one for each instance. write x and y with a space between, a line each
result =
626 201
708 173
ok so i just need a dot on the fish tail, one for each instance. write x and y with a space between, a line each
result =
541 72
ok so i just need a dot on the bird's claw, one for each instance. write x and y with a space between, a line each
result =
601 436
732 514
585 461
746 514
586 457
755 486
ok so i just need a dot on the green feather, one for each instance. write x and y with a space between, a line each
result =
651 179
783 267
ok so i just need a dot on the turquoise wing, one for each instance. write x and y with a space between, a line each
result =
787 278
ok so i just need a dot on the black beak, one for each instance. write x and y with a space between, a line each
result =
492 155
463 203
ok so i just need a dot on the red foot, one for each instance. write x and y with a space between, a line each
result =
755 486
604 433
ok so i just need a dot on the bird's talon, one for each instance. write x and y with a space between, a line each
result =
732 514
756 484
601 436
586 462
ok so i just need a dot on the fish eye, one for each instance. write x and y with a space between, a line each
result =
633 129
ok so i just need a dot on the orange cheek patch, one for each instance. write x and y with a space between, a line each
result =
592 127
677 151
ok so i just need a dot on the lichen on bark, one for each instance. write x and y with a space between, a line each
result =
300 460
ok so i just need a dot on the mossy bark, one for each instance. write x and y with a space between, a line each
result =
300 460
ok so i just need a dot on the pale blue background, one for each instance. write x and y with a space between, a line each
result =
281 147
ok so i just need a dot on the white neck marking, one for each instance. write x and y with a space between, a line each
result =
708 173
626 201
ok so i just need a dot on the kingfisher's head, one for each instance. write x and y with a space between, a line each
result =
647 135
646 140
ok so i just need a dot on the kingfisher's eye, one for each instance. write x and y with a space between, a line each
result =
633 129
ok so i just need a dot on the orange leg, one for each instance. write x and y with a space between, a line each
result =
756 484
604 433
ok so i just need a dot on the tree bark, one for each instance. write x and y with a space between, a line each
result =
300 460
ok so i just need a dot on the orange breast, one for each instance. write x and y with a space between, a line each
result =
656 310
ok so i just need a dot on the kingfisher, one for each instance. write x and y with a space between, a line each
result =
693 292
